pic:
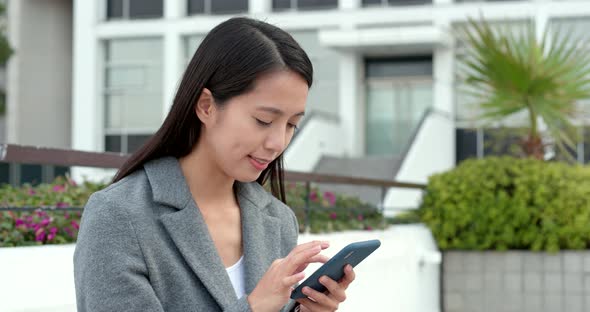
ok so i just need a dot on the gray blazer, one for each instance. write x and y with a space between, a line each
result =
144 246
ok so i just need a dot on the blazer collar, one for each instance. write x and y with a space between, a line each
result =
189 232
169 185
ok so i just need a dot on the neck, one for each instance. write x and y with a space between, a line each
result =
208 184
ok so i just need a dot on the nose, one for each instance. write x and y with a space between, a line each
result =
277 140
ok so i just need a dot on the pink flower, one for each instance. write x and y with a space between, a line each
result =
360 217
72 182
51 236
369 228
53 230
69 231
330 197
75 225
32 192
313 196
18 222
59 188
40 235
333 216
66 215
45 222
62 205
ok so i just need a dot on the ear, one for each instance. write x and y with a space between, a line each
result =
205 106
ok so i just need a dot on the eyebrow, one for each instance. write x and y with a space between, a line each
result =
276 111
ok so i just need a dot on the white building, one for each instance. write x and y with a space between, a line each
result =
379 64
38 83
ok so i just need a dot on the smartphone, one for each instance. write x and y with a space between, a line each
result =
352 254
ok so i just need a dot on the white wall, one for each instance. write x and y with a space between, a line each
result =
39 73
402 275
318 137
432 151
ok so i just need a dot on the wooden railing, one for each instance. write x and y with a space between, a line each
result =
62 157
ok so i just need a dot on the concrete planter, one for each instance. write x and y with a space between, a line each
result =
516 281
402 275
37 279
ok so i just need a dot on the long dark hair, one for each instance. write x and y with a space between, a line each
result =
227 62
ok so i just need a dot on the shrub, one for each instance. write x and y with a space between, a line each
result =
507 203
328 212
59 226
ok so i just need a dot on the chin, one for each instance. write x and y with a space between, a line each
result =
245 178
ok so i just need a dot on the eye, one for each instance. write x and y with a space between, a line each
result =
262 123
293 126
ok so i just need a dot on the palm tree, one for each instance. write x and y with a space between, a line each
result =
510 71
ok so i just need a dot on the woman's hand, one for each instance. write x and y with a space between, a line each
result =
274 288
331 299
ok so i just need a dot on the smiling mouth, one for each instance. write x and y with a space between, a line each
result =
260 160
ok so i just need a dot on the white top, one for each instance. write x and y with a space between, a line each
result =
237 277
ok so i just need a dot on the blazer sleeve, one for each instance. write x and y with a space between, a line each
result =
110 273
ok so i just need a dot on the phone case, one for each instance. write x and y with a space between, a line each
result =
352 254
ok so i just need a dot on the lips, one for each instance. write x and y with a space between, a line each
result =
258 163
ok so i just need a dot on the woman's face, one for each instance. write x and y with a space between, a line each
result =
254 128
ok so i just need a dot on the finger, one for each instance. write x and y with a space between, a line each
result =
310 305
320 298
315 259
289 281
305 246
348 278
292 262
335 290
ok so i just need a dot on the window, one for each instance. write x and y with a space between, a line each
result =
398 93
282 5
217 6
132 92
323 95
134 9
191 44
370 3
124 143
34 174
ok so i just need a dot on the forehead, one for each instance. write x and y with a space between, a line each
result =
284 90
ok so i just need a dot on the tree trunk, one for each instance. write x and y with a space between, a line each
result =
533 147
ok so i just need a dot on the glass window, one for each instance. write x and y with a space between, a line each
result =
60 171
217 6
394 2
112 143
4 173
399 67
133 91
32 174
323 95
134 9
146 8
196 7
466 144
134 142
280 5
399 92
229 6
115 9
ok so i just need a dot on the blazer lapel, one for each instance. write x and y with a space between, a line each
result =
188 229
261 235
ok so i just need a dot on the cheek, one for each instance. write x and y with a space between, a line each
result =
237 139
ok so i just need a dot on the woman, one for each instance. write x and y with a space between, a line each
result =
186 225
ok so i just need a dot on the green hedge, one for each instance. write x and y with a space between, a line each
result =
500 203
329 212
